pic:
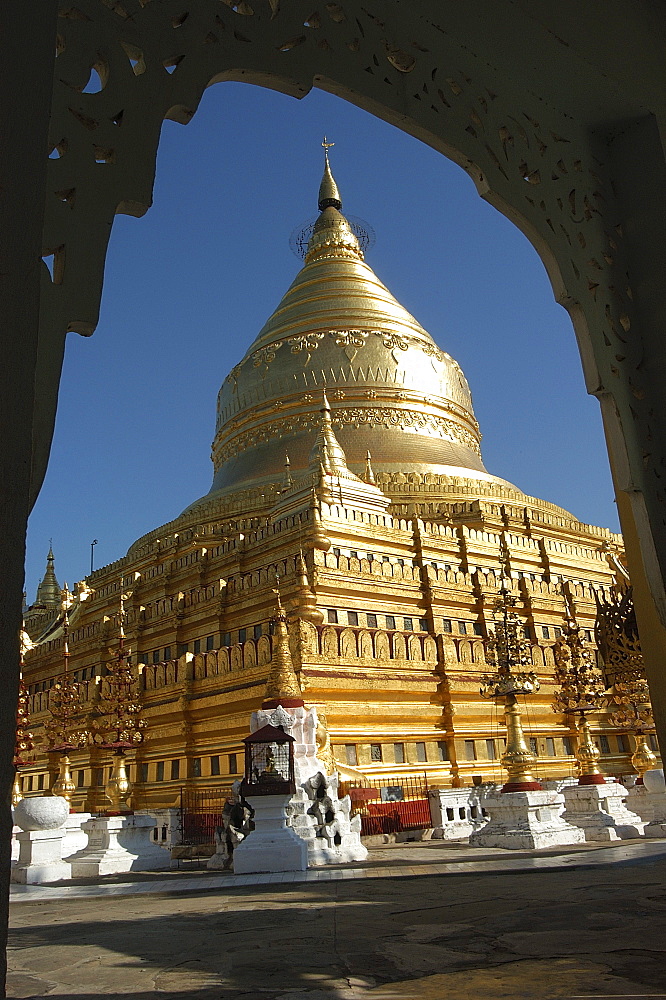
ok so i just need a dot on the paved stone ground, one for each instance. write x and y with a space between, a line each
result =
569 932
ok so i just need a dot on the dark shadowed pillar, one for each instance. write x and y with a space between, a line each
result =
638 168
27 28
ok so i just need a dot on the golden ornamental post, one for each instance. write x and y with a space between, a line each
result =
581 690
629 698
63 727
509 653
118 725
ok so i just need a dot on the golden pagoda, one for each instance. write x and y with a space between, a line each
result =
347 465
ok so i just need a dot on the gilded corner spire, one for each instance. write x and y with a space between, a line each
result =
287 481
282 687
327 452
329 195
307 602
369 476
48 591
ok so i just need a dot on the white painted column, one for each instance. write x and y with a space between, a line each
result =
272 846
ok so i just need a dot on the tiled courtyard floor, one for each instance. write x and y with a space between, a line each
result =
417 922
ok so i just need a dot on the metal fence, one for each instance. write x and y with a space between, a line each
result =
201 813
392 807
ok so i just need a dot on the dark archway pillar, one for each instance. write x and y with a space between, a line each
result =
637 445
26 74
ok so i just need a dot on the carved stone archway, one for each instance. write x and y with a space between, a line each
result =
565 143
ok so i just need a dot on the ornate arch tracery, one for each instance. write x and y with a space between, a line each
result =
122 67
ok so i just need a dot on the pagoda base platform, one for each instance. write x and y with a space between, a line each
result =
118 844
525 821
600 812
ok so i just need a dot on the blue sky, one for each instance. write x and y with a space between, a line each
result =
189 285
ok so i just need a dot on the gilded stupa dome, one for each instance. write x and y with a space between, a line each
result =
392 391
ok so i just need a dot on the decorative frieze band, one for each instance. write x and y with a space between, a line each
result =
375 416
349 341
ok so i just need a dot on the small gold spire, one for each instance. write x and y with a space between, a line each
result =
307 602
48 592
323 489
369 476
287 481
282 683
329 195
327 450
320 539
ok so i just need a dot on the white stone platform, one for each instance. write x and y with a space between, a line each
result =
40 857
457 813
655 789
272 846
600 812
42 823
75 836
117 844
640 801
525 821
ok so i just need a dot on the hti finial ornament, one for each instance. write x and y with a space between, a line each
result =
360 236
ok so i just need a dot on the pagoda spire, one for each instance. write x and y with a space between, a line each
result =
282 686
332 236
329 195
48 592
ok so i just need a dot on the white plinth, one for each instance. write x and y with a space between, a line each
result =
641 802
272 846
40 857
117 844
75 836
600 812
457 812
654 789
525 821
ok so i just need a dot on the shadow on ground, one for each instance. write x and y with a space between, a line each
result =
557 934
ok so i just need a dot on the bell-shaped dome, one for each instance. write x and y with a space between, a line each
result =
392 391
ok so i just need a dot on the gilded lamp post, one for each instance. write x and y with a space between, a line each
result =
63 728
509 653
119 726
582 690
619 642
